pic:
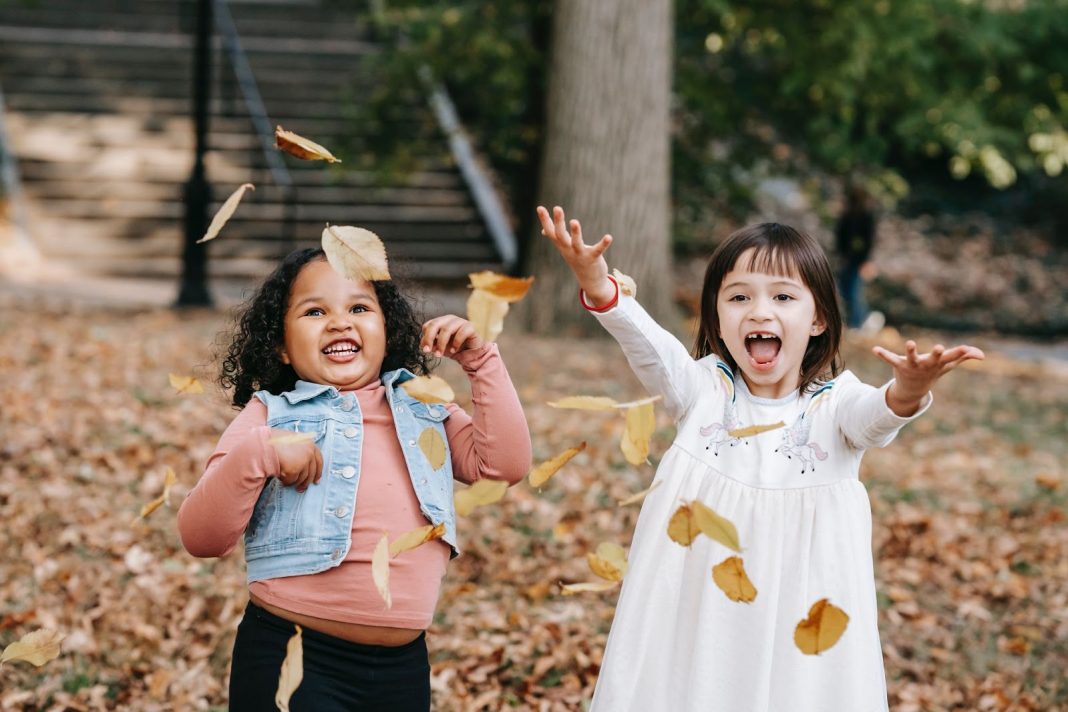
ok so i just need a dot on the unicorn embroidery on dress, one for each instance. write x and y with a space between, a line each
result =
795 442
720 433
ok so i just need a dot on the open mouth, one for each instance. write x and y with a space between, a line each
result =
763 348
342 351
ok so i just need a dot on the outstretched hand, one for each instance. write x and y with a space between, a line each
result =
586 261
916 373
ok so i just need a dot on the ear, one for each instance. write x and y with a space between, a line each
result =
818 327
283 355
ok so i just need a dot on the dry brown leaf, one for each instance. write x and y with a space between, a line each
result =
486 313
626 283
1048 480
751 430
480 493
292 672
510 289
822 629
570 589
610 561
416 538
169 480
356 253
188 385
641 422
36 648
731 578
543 472
694 518
380 569
635 498
433 446
585 403
429 389
302 148
715 527
225 212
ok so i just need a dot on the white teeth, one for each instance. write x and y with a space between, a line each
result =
761 336
340 349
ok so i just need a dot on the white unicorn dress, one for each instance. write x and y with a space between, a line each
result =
677 643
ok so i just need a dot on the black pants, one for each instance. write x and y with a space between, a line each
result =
339 676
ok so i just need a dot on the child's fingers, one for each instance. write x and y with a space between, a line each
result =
560 225
464 332
601 246
910 353
576 235
546 220
430 334
318 465
888 356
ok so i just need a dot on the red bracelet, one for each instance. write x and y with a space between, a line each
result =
606 307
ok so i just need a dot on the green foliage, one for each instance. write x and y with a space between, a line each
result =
896 89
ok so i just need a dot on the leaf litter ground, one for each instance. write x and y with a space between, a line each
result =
969 506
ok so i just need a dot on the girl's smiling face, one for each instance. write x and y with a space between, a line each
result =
335 332
766 321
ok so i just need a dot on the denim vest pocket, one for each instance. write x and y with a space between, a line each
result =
281 512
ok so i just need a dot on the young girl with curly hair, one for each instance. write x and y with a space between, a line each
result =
318 354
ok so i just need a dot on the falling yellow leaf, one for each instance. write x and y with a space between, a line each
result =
585 403
433 446
641 422
635 498
626 283
186 384
169 479
541 473
570 589
716 527
225 212
416 537
486 313
355 252
510 289
634 404
480 493
301 147
429 389
36 648
822 629
695 518
751 430
291 438
731 578
292 673
380 569
610 561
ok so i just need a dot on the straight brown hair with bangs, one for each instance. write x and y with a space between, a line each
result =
780 250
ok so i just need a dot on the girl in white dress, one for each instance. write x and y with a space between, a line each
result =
767 354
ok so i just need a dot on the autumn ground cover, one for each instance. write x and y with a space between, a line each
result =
969 506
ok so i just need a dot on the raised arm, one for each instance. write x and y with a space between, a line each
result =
658 359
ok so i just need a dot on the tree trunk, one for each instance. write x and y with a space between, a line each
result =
606 156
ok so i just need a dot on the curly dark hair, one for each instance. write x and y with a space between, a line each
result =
253 360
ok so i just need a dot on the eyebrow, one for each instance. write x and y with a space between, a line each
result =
358 296
776 283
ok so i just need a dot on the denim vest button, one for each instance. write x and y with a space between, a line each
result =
348 472
411 443
351 431
346 403
335 554
341 511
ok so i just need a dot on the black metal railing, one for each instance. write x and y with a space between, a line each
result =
257 113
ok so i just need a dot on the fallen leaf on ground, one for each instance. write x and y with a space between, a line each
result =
429 389
822 629
355 252
486 313
638 497
416 537
292 673
731 578
433 446
751 430
543 472
36 648
510 289
300 147
225 212
480 493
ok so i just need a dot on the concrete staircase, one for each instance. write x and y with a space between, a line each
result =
98 105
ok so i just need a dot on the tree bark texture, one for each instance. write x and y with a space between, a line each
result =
606 156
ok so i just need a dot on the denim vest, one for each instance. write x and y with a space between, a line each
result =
293 533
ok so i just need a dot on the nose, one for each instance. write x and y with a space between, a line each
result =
760 309
339 322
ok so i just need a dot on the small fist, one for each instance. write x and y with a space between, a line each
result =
449 335
300 462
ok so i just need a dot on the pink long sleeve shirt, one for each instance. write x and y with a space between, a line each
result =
494 444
